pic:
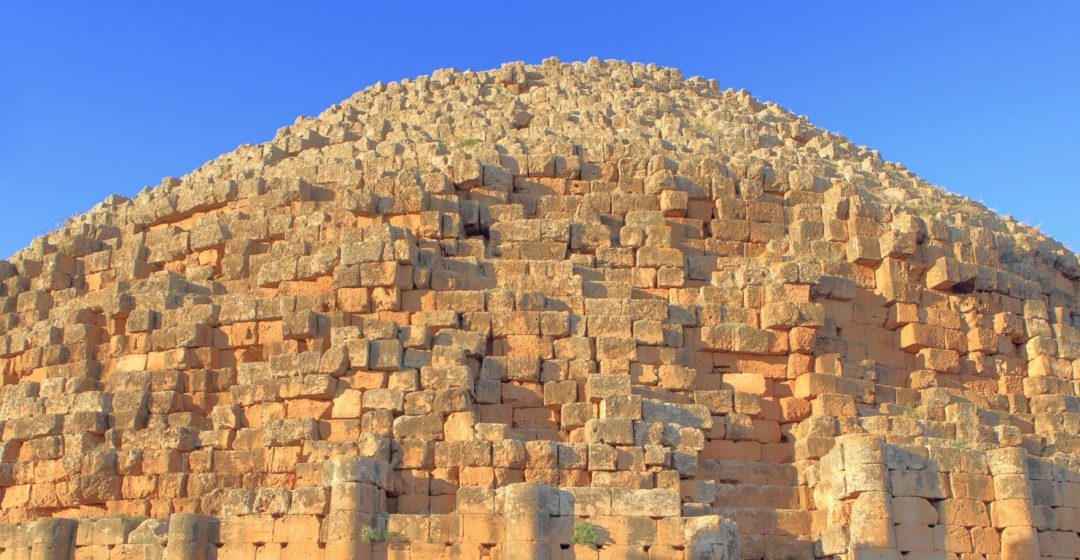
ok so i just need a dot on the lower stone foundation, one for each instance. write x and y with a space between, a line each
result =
519 521
885 501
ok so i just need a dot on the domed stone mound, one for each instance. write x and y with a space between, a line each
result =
590 311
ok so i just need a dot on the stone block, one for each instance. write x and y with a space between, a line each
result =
865 251
384 355
190 537
645 503
357 469
674 203
293 431
613 431
947 273
920 484
600 386
621 406
913 510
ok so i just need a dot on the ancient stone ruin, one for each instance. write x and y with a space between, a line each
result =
567 311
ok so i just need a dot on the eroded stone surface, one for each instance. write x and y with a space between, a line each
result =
477 309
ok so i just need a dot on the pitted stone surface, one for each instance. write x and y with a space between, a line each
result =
657 304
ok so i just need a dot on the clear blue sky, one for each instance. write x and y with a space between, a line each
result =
107 97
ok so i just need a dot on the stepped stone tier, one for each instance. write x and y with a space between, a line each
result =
566 311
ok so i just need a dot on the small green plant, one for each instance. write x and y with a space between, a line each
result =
373 535
585 534
929 210
415 169
1009 256
468 142
910 412
960 444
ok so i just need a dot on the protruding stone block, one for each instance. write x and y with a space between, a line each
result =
711 538
357 469
191 537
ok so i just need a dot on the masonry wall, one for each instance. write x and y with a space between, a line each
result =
523 520
668 301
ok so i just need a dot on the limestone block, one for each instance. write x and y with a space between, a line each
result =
357 469
309 501
1011 513
508 454
674 203
463 453
589 237
661 181
898 244
315 386
985 540
916 336
600 386
922 484
191 537
99 479
785 315
864 251
946 361
384 355
946 273
293 431
1010 326
613 431
829 404
575 414
972 486
1006 461
716 402
357 497
645 503
558 393
914 538
1019 542
528 511
865 478
711 538
302 325
894 282
835 288
876 538
1011 487
474 343
143 320
22 429
592 502
47 538
449 377
691 415
523 368
616 348
901 314
621 406
452 400
914 510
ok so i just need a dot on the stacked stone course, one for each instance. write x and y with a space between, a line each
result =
460 316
